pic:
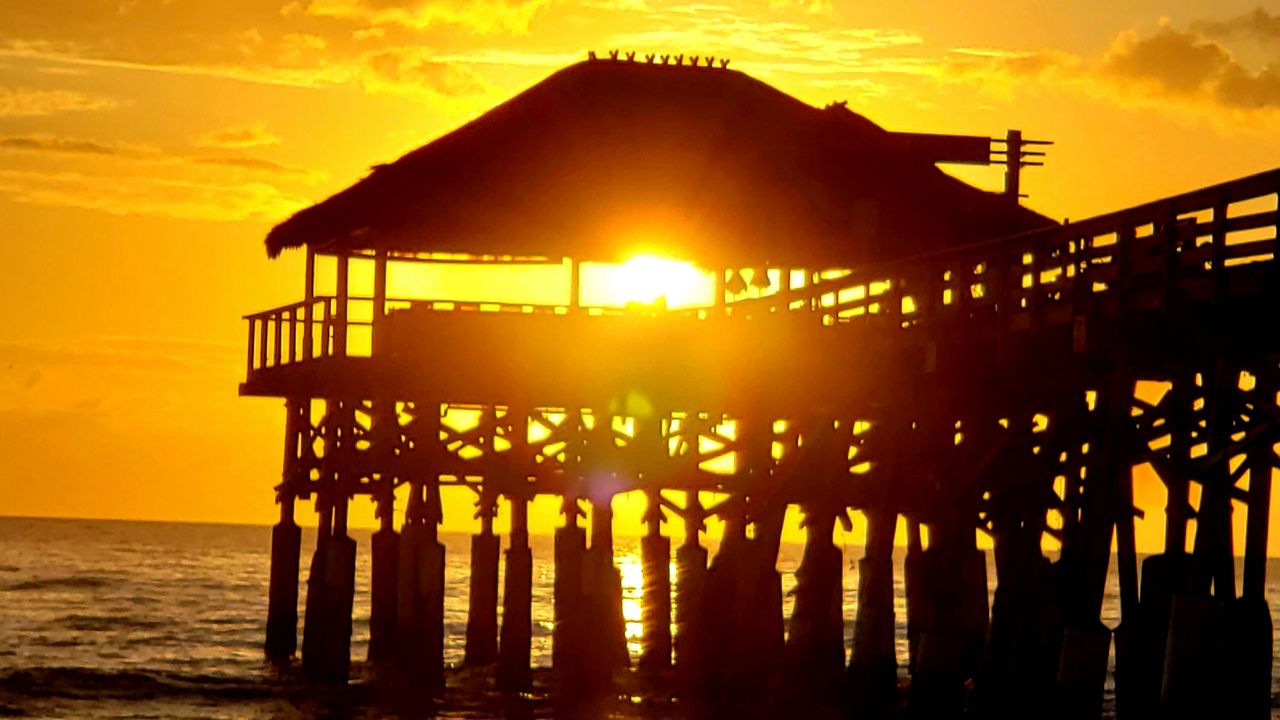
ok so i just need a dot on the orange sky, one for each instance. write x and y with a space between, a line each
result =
146 146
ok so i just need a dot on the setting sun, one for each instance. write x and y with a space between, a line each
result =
649 279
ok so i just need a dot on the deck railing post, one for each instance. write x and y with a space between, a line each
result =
277 321
293 334
263 328
249 349
308 306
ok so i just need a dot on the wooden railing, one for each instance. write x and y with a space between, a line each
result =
1163 254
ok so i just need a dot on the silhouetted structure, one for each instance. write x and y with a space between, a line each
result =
968 384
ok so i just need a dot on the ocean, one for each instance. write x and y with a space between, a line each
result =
113 619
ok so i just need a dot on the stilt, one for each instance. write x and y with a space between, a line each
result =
1167 573
871 684
1106 513
567 637
420 602
955 620
765 626
326 639
815 643
482 613
605 644
1192 685
719 616
915 590
282 606
517 612
1250 629
385 583
1024 642
691 578
286 545
655 551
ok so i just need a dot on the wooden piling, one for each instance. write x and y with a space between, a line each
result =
282 605
815 642
871 681
482 611
567 636
513 671
420 601
326 639
605 639
954 623
286 544
691 578
655 553
384 589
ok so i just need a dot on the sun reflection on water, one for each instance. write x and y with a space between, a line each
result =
632 572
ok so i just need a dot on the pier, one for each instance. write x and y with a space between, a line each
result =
960 363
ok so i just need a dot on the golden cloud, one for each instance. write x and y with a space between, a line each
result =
149 195
484 16
27 102
239 136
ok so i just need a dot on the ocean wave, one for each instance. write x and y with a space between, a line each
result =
71 581
106 623
79 683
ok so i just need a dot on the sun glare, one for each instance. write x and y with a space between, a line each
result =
649 279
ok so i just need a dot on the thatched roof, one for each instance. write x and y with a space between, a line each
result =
605 159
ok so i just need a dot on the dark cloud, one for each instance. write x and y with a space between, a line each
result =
1258 25
1187 64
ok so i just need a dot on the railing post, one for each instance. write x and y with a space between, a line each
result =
308 306
1218 230
277 319
249 348
262 341
293 334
